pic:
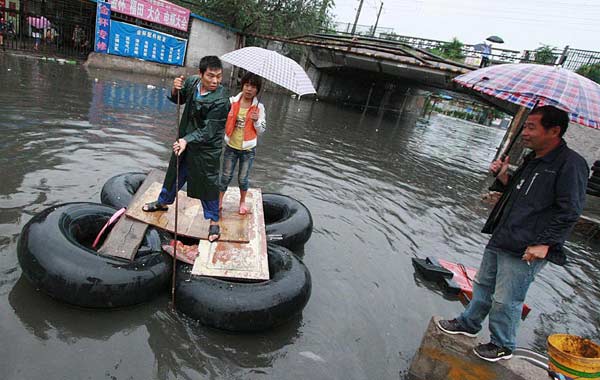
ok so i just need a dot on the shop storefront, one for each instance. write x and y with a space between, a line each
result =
151 30
51 27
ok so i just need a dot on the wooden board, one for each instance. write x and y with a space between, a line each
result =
191 222
127 234
237 260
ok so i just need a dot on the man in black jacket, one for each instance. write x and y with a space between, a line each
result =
540 204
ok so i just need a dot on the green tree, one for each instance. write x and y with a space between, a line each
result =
591 71
545 55
450 50
272 17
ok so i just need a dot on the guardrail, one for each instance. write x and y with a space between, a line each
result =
569 58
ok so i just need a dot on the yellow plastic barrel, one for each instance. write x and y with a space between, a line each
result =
573 356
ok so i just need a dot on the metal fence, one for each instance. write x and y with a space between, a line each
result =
575 58
497 54
569 58
363 30
53 27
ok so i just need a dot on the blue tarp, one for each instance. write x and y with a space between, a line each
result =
133 41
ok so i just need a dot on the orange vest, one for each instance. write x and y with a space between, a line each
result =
250 135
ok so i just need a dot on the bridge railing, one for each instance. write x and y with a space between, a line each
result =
497 55
570 58
575 58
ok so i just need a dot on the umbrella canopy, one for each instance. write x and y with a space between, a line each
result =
272 66
39 22
495 39
525 84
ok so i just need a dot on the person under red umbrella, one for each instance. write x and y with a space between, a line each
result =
541 202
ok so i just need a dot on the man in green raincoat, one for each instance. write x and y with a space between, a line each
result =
199 142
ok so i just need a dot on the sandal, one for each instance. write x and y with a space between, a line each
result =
154 206
214 229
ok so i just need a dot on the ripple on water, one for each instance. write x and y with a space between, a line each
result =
380 190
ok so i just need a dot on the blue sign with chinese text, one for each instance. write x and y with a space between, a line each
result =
102 27
132 41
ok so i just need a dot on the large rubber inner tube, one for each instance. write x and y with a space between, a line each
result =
287 217
54 251
242 306
118 191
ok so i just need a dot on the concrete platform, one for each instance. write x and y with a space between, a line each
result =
450 357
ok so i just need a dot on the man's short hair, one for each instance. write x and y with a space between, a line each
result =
210 62
552 117
252 79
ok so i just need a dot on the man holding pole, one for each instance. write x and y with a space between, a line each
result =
540 204
199 141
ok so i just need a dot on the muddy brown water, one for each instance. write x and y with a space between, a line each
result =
381 191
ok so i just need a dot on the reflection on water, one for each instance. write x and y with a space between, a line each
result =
381 189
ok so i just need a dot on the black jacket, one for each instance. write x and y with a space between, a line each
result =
541 203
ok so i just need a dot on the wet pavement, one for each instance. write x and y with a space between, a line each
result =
381 191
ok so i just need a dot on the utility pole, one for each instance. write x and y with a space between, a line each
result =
377 22
357 16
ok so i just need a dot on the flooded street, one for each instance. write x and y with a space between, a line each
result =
380 190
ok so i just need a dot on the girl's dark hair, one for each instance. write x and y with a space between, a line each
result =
252 79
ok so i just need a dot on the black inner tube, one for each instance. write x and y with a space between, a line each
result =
275 213
83 230
133 183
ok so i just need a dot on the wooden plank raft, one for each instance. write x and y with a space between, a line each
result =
191 222
126 236
234 259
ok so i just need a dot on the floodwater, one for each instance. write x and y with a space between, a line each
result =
380 190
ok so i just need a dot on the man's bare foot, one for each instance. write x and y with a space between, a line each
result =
243 209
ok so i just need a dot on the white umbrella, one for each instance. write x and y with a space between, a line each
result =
272 66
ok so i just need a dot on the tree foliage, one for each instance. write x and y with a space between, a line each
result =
591 71
272 17
450 50
545 55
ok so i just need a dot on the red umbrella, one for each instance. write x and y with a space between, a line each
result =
528 84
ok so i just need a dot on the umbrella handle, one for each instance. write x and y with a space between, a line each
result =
503 154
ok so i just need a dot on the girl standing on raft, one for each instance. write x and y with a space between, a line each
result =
246 120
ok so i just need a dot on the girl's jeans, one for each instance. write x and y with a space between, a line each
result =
230 159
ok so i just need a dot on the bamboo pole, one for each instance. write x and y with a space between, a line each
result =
174 275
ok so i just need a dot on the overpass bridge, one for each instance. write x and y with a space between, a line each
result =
389 59
374 73
381 72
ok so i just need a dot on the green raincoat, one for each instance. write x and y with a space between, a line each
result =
202 125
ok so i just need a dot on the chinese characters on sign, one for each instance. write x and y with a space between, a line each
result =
102 27
158 11
133 41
